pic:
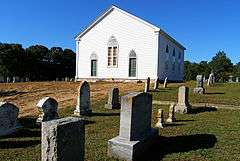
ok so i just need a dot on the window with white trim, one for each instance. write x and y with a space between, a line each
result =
112 52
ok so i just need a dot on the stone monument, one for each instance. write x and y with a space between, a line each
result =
48 108
63 139
156 83
199 85
147 85
183 105
8 118
113 99
160 119
83 101
171 115
136 133
165 83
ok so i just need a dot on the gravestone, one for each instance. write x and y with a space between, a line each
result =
199 85
165 83
113 99
160 119
156 83
135 134
183 105
8 118
237 79
83 101
211 80
48 108
14 79
8 79
27 79
63 140
147 85
230 80
171 115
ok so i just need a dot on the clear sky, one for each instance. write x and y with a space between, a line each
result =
202 26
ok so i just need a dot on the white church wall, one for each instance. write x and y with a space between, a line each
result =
131 35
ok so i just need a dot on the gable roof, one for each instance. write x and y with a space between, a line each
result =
110 9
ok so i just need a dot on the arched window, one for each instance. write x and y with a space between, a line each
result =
132 64
167 50
93 59
112 52
174 53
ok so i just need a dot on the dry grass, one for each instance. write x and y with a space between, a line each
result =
26 95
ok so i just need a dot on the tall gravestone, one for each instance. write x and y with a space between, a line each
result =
211 79
156 83
8 118
83 101
183 105
165 83
147 85
63 139
113 99
199 85
230 79
8 79
237 79
136 133
48 108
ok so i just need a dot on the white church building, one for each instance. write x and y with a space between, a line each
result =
121 46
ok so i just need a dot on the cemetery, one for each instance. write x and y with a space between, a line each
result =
117 120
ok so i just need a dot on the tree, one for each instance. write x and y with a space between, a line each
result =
221 65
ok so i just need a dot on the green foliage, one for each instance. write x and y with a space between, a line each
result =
36 62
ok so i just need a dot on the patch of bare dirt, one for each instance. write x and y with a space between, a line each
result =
26 95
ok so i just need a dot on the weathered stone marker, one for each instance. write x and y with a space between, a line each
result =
136 134
171 115
230 79
199 85
160 119
83 101
147 85
183 104
48 108
113 99
156 83
165 83
8 79
237 79
8 118
211 79
63 139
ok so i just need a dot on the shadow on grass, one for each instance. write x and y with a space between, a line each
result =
104 114
214 93
28 122
184 120
172 125
18 144
197 110
167 145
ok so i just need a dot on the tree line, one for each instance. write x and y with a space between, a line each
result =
37 62
220 65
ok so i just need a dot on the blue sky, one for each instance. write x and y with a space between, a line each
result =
202 26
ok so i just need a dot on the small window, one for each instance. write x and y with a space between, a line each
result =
167 50
179 55
93 67
174 52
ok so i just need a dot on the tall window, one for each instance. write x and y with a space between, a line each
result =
112 52
174 53
93 58
166 66
173 66
132 64
167 50
179 55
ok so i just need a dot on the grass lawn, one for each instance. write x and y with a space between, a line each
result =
226 94
206 134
